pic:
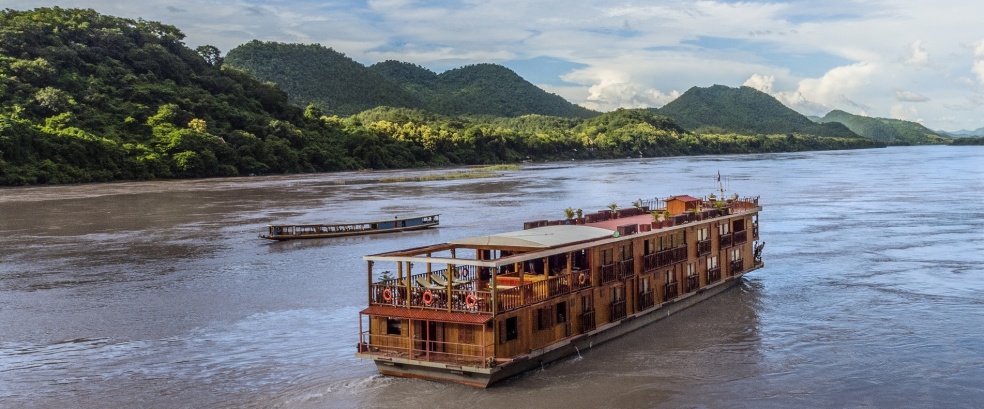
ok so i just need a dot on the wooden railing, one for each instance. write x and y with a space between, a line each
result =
517 297
704 247
726 240
664 258
693 282
670 290
737 266
587 321
626 269
741 237
608 273
647 300
431 351
580 279
713 274
755 232
616 310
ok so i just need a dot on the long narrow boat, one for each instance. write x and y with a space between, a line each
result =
479 310
320 231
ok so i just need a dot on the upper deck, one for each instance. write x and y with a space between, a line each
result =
489 275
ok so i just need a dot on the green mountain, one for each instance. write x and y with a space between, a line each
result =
889 131
86 97
320 76
339 85
744 110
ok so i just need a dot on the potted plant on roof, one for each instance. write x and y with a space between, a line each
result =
656 219
569 213
667 221
580 216
614 208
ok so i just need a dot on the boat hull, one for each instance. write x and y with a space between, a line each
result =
485 377
283 237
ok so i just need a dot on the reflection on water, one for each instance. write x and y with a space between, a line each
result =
160 294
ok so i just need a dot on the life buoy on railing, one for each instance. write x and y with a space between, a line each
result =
471 300
463 272
428 298
582 278
388 294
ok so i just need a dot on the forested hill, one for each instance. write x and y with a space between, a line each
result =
341 86
889 131
91 98
313 74
86 97
743 110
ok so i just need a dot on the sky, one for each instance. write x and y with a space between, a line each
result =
914 60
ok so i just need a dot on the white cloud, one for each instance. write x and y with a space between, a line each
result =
909 96
978 65
917 54
905 113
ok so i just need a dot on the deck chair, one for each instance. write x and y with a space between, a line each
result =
439 279
426 283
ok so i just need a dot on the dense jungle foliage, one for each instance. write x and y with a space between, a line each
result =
91 98
339 85
889 131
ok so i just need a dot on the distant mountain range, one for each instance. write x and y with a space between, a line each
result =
339 85
743 110
889 131
963 133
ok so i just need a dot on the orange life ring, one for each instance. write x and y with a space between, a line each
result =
471 300
582 278
428 298
463 272
388 294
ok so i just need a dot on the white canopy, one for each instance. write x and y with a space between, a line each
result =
540 237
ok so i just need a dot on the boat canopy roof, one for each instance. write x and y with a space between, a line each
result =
540 237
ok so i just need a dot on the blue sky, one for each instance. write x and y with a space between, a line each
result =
913 60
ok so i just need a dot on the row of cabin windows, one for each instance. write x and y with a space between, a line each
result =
544 318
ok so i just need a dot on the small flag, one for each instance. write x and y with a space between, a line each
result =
719 176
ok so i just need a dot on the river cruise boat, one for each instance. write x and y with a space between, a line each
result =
320 231
478 310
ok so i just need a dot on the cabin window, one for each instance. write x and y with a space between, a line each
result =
626 252
691 270
712 262
512 328
669 276
735 254
607 257
544 318
393 326
586 303
702 234
561 312
616 294
739 225
724 228
644 284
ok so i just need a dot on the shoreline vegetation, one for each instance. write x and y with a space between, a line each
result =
88 98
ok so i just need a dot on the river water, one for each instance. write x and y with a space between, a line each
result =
160 294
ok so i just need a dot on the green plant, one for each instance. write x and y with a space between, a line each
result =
580 213
655 215
569 212
613 207
637 204
385 276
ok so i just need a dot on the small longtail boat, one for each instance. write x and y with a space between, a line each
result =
320 231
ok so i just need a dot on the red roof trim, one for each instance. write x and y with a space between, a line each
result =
425 315
684 198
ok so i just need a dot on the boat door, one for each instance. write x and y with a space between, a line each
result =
428 337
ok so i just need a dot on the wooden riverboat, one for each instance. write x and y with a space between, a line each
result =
320 231
478 310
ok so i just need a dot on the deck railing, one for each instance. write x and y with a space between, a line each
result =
397 346
741 237
463 296
704 247
664 258
726 240
713 274
580 278
587 321
626 269
608 273
616 311
517 297
693 282
647 300
737 266
670 290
